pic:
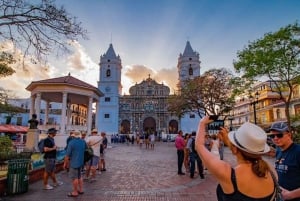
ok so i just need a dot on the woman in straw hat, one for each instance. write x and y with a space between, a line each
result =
250 179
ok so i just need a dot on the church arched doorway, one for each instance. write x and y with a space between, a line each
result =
149 125
125 127
173 127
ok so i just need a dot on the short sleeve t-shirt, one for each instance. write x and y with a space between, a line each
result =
287 165
49 142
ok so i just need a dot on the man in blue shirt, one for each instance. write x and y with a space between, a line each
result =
287 162
74 160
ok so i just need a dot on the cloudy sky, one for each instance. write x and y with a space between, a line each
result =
149 35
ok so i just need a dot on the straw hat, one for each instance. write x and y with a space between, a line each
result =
94 130
250 138
77 134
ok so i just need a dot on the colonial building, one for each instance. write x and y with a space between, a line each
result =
145 108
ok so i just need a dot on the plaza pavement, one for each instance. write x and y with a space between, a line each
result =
134 174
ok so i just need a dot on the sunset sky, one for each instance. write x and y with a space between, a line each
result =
149 35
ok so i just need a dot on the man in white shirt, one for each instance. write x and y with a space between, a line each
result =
94 141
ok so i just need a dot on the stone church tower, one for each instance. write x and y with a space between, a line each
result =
110 84
188 65
188 68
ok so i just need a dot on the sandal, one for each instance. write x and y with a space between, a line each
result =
71 195
80 193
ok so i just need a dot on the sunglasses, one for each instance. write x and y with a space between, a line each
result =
278 135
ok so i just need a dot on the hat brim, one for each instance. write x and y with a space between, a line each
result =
231 139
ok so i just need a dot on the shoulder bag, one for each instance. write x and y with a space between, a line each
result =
277 192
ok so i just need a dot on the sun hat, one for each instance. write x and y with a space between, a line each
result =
94 130
77 134
279 126
250 138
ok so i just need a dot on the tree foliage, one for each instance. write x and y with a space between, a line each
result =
210 93
276 56
38 27
5 60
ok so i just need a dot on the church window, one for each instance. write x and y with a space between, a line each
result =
106 116
190 59
108 60
108 73
107 99
190 70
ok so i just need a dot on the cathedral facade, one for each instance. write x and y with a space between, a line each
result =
145 109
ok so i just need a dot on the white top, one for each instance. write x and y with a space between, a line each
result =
94 141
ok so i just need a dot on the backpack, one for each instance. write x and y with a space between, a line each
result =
41 144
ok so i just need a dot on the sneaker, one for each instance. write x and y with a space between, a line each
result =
48 187
59 183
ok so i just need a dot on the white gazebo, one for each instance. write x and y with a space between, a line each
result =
66 90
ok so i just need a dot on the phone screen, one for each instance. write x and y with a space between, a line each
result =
214 127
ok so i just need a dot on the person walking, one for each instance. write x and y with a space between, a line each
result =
103 147
215 145
94 141
194 157
50 160
74 161
251 179
186 160
287 162
180 144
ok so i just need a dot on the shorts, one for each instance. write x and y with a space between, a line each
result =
94 161
49 164
75 173
102 156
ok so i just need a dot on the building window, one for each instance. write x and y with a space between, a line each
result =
108 73
192 116
107 99
190 70
106 116
278 114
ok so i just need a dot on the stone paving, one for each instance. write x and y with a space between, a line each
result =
136 174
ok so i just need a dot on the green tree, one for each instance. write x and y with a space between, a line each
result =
210 93
5 60
37 28
277 57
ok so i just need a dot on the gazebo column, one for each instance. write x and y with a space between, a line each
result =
63 113
32 106
97 112
46 113
38 106
89 119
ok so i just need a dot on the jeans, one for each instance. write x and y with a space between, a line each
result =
180 156
193 159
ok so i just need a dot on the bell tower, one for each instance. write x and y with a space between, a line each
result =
188 65
110 85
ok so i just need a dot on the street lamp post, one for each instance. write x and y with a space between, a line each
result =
230 118
253 102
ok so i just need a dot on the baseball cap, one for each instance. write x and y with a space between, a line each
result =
52 131
279 126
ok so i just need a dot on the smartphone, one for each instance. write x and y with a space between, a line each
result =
213 117
215 126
